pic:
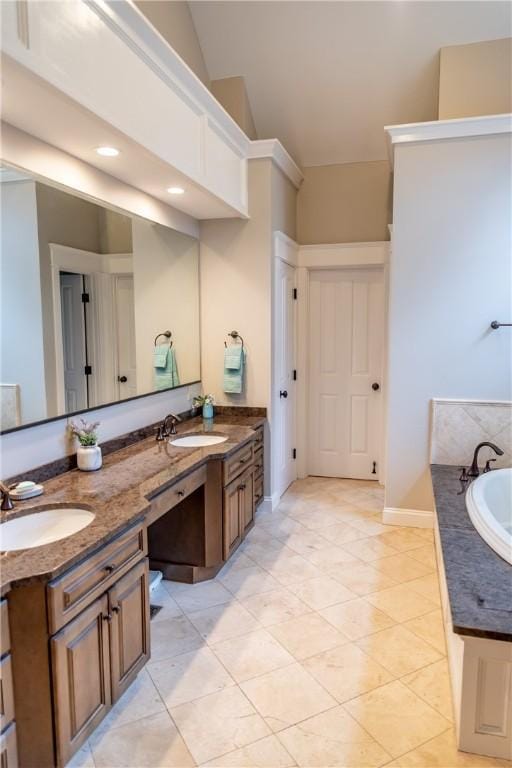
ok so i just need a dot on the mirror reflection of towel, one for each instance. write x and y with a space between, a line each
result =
166 375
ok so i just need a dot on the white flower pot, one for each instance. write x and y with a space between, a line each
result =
88 458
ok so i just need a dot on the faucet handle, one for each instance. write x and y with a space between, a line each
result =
488 467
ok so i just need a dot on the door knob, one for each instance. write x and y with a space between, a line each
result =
283 393
122 379
375 386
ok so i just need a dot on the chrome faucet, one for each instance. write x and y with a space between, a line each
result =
163 431
473 471
6 504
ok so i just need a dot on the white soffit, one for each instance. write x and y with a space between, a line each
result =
439 130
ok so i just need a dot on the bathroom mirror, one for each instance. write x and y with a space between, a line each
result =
96 306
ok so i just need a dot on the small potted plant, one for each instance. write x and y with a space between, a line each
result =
206 403
88 455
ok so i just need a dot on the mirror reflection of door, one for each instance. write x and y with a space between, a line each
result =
74 340
125 336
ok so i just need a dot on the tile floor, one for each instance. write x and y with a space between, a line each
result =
319 644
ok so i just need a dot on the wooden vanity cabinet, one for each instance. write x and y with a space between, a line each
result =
8 747
238 506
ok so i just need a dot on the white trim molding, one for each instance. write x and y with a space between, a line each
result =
329 255
273 149
437 130
412 518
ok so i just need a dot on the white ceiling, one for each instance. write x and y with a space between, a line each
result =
325 77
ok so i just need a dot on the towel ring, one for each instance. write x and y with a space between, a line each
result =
167 334
235 336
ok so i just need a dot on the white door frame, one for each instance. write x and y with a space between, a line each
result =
332 256
284 249
98 267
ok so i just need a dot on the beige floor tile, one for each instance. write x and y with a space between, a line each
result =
254 654
307 635
170 608
291 570
223 622
219 723
427 586
425 555
356 618
82 759
398 650
361 579
275 606
402 539
347 672
341 533
321 592
281 526
432 684
369 526
442 752
429 627
248 581
396 718
189 676
370 549
265 753
315 519
287 696
332 740
401 602
141 699
152 742
237 561
196 597
303 542
401 568
170 637
325 558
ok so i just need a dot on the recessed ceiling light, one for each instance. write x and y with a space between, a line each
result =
176 190
107 151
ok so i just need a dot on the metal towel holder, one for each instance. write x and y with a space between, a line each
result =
167 334
495 325
235 336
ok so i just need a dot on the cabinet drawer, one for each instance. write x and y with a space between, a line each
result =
258 490
8 748
172 496
237 463
258 462
6 693
72 592
5 640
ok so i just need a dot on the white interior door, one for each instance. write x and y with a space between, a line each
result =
125 336
346 338
284 383
73 341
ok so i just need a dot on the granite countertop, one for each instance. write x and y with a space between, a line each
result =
119 494
479 581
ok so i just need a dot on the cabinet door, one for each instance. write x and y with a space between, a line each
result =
8 748
231 519
129 628
247 502
81 677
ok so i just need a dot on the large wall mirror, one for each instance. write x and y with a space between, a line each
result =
96 306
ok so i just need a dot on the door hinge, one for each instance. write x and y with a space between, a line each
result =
294 375
88 370
294 453
85 298
295 294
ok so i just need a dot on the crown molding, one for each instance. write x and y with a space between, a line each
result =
439 130
273 149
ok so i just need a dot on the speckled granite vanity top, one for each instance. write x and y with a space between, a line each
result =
479 581
118 494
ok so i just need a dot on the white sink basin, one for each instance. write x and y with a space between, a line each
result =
197 441
38 528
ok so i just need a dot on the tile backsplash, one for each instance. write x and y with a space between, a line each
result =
457 427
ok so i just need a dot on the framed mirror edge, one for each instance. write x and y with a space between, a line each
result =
95 408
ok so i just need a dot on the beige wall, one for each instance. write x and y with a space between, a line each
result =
232 94
347 203
115 231
284 204
476 79
172 18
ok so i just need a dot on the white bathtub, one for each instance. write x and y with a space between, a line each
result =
489 503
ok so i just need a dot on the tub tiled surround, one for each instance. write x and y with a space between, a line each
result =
459 425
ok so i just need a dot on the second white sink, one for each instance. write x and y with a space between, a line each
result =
197 441
38 528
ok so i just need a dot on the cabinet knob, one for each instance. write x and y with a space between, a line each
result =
122 379
180 493
115 609
107 617
110 568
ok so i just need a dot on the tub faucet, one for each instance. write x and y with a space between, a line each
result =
473 471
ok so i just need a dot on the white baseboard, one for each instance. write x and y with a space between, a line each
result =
413 518
266 506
